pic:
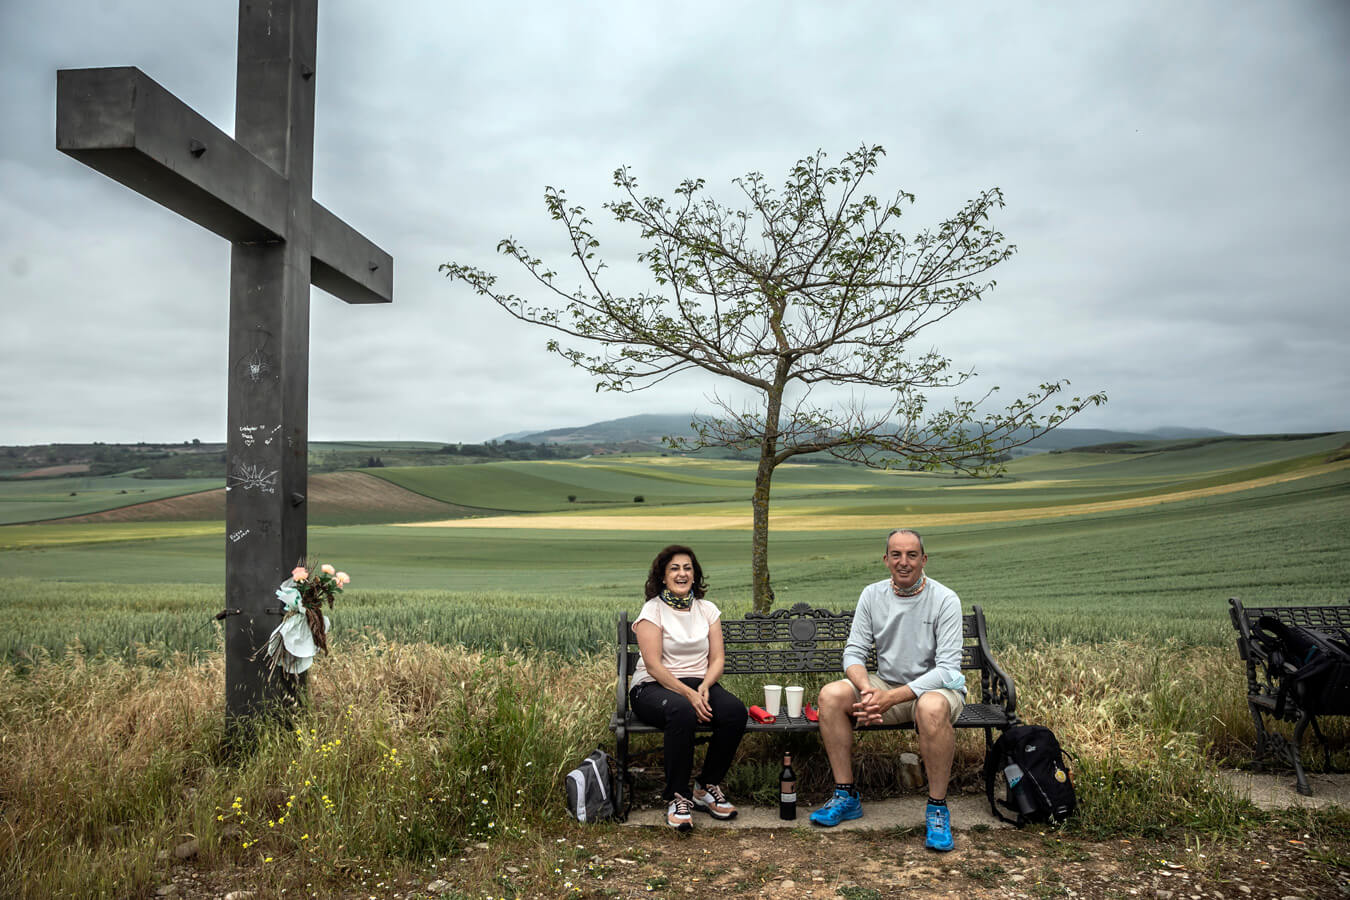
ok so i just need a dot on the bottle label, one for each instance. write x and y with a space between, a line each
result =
788 798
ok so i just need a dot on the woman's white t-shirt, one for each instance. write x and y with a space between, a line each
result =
684 638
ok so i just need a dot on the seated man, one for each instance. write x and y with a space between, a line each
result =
916 626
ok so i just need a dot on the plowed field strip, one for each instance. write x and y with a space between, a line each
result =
73 469
333 493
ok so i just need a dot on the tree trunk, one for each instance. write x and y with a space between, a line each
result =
759 536
759 500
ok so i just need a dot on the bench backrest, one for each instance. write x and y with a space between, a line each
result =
1323 618
800 639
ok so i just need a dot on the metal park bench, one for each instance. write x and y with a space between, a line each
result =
803 640
1266 678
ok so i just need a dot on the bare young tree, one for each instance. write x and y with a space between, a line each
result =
809 284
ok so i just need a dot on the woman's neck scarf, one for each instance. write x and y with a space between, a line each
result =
674 602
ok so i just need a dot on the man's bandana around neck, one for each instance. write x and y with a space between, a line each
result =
674 602
911 592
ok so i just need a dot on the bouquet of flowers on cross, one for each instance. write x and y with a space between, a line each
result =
304 628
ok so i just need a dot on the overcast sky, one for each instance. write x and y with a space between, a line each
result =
1177 178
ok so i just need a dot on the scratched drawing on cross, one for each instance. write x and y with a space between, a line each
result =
250 477
256 366
250 433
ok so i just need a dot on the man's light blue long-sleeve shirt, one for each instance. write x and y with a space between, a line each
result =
918 639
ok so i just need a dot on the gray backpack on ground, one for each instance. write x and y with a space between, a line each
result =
590 789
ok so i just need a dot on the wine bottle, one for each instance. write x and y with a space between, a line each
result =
787 786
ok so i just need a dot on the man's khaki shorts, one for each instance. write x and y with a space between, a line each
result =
904 712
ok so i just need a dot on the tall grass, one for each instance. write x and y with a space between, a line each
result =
406 754
403 752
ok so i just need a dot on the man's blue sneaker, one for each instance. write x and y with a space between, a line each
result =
939 829
841 806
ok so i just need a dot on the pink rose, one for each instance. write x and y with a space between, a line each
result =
343 579
299 573
327 569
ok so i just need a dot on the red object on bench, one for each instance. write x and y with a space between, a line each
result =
761 715
810 713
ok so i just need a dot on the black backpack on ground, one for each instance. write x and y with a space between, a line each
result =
1320 680
591 789
1036 773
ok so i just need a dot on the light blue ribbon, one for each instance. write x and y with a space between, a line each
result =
291 643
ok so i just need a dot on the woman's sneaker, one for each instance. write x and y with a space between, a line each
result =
711 800
678 814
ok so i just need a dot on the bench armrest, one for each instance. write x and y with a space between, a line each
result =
1262 677
998 684
621 668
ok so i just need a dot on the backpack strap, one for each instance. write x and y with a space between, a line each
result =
628 782
1281 657
991 767
1306 653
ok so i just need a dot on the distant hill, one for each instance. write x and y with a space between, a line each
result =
645 429
1168 433
1069 438
649 429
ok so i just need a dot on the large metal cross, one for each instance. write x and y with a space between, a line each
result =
255 190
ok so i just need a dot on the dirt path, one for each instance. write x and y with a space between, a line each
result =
615 862
1285 858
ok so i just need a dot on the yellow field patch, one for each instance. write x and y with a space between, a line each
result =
808 521
57 534
983 485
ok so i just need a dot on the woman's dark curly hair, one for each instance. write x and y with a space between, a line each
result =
656 578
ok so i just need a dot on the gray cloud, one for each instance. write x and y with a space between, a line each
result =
1175 179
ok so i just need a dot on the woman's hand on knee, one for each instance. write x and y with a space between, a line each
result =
698 699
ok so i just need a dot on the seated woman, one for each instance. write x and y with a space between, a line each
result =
675 685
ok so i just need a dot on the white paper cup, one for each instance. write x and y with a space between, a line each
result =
794 701
773 698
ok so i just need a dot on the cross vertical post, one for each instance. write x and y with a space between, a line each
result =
266 436
255 190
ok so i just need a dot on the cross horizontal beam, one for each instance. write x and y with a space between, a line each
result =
122 123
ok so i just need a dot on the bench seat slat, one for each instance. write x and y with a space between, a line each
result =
973 715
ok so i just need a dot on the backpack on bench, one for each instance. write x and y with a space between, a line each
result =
1036 772
1320 680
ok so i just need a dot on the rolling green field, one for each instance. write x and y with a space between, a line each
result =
1267 520
546 485
51 498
